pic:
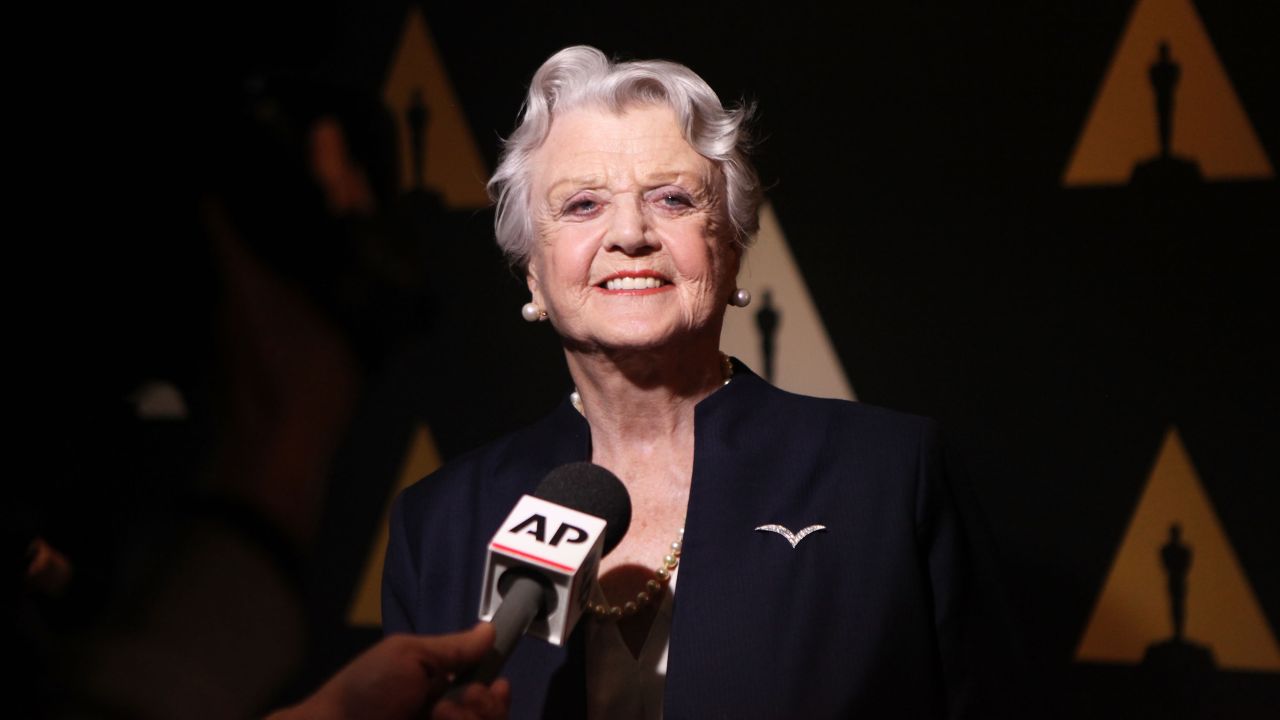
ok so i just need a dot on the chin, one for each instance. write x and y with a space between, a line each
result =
636 343
633 335
641 337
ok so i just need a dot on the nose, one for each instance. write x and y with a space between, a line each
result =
629 230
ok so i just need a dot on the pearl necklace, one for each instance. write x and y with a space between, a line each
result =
652 587
726 372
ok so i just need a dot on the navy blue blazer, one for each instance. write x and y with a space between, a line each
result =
862 620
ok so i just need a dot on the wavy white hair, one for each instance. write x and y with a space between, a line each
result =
581 76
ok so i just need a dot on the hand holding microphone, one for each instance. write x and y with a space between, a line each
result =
402 675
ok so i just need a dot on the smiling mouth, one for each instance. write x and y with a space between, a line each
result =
633 283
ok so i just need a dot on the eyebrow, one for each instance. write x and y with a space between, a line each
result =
653 180
582 181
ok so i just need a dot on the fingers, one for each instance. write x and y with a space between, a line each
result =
476 703
502 690
443 653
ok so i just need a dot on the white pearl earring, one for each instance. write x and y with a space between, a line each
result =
532 313
740 298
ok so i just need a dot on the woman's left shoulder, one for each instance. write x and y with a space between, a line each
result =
853 415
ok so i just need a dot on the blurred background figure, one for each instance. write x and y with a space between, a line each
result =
162 571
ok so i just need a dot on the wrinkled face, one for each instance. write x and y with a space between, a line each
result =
633 248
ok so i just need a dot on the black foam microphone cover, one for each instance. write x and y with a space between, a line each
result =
589 488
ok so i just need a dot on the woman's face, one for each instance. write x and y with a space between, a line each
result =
632 248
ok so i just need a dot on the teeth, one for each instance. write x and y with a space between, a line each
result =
634 283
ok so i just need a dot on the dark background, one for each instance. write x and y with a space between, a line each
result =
914 154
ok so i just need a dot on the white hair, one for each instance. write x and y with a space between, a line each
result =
581 76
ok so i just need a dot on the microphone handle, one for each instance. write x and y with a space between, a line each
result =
521 603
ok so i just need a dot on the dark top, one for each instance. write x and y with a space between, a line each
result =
861 620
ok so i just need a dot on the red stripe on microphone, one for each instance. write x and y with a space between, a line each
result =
535 558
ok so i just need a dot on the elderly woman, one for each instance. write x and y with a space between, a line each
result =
787 556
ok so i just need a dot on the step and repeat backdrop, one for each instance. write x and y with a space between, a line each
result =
1054 227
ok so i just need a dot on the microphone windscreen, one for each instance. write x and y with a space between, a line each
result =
589 488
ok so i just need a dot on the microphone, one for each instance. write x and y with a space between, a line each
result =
544 557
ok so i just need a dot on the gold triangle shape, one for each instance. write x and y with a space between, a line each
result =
1134 610
1209 124
421 460
453 166
806 361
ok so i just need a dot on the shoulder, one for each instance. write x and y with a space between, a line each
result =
851 414
770 414
890 449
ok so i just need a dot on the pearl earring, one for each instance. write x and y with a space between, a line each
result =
532 313
740 298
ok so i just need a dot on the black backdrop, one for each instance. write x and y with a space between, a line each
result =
914 153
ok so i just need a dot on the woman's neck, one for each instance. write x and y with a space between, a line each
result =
644 400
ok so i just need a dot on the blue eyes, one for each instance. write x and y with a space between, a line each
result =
588 207
583 207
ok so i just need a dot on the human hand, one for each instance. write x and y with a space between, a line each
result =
404 675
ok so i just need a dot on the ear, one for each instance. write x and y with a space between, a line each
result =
531 279
735 251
